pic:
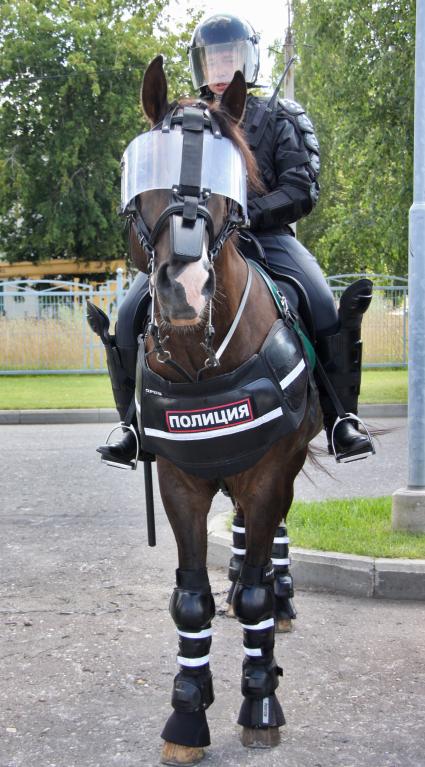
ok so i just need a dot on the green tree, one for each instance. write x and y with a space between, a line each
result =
70 75
355 78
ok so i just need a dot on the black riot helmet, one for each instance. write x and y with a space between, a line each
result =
221 45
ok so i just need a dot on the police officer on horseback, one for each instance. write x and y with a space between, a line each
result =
287 153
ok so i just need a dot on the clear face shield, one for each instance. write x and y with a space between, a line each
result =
153 161
213 64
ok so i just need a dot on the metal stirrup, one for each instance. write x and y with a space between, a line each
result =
351 417
133 461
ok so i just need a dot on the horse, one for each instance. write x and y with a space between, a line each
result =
214 316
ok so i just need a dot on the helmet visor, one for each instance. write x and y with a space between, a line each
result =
213 64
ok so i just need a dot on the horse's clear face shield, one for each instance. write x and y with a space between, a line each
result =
156 161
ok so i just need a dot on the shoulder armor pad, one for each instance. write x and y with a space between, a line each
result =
305 123
311 142
291 106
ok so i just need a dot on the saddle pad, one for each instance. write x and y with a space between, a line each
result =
224 425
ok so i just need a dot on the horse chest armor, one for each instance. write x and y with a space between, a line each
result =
224 425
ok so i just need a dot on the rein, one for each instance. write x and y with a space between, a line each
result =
188 214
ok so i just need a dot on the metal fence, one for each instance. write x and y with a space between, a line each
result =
43 326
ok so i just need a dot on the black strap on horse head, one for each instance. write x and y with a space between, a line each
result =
188 212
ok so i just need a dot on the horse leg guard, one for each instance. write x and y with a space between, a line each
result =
253 603
192 609
283 581
238 554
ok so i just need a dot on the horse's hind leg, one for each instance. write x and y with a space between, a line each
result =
284 610
238 554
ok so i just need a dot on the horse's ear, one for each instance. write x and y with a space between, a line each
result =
234 97
154 91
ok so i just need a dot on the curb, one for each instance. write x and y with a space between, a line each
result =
109 415
76 415
335 572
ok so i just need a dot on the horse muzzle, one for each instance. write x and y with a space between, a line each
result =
184 290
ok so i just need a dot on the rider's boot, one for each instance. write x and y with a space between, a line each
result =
123 452
341 358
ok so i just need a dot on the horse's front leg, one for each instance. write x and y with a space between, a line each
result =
187 502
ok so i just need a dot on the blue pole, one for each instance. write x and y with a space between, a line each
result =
408 510
416 423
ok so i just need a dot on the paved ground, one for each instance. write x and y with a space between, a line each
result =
87 648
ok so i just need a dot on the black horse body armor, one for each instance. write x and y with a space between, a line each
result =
224 425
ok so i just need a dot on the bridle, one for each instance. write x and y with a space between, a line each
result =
189 217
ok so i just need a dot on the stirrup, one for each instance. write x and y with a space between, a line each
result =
349 458
120 464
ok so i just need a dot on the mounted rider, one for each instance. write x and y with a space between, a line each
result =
287 152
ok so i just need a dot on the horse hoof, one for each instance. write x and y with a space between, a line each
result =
284 626
230 613
174 754
268 737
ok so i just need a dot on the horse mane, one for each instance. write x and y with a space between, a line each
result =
231 130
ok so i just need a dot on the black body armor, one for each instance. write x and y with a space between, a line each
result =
287 152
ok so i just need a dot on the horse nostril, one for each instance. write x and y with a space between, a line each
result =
163 282
209 288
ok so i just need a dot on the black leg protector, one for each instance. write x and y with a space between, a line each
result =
238 553
122 370
121 363
253 603
283 581
341 357
192 609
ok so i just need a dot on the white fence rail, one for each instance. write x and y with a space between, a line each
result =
43 326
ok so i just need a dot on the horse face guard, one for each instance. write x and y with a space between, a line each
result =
187 155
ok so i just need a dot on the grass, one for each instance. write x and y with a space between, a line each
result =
50 391
383 386
82 391
355 526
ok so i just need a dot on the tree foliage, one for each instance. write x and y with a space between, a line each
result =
355 78
70 75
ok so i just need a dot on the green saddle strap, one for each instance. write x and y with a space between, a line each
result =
280 302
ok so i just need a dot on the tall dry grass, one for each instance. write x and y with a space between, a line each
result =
67 343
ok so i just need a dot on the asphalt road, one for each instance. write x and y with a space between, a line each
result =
87 647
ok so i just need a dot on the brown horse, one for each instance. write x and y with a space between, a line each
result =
184 288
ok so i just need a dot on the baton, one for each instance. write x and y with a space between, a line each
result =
150 511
